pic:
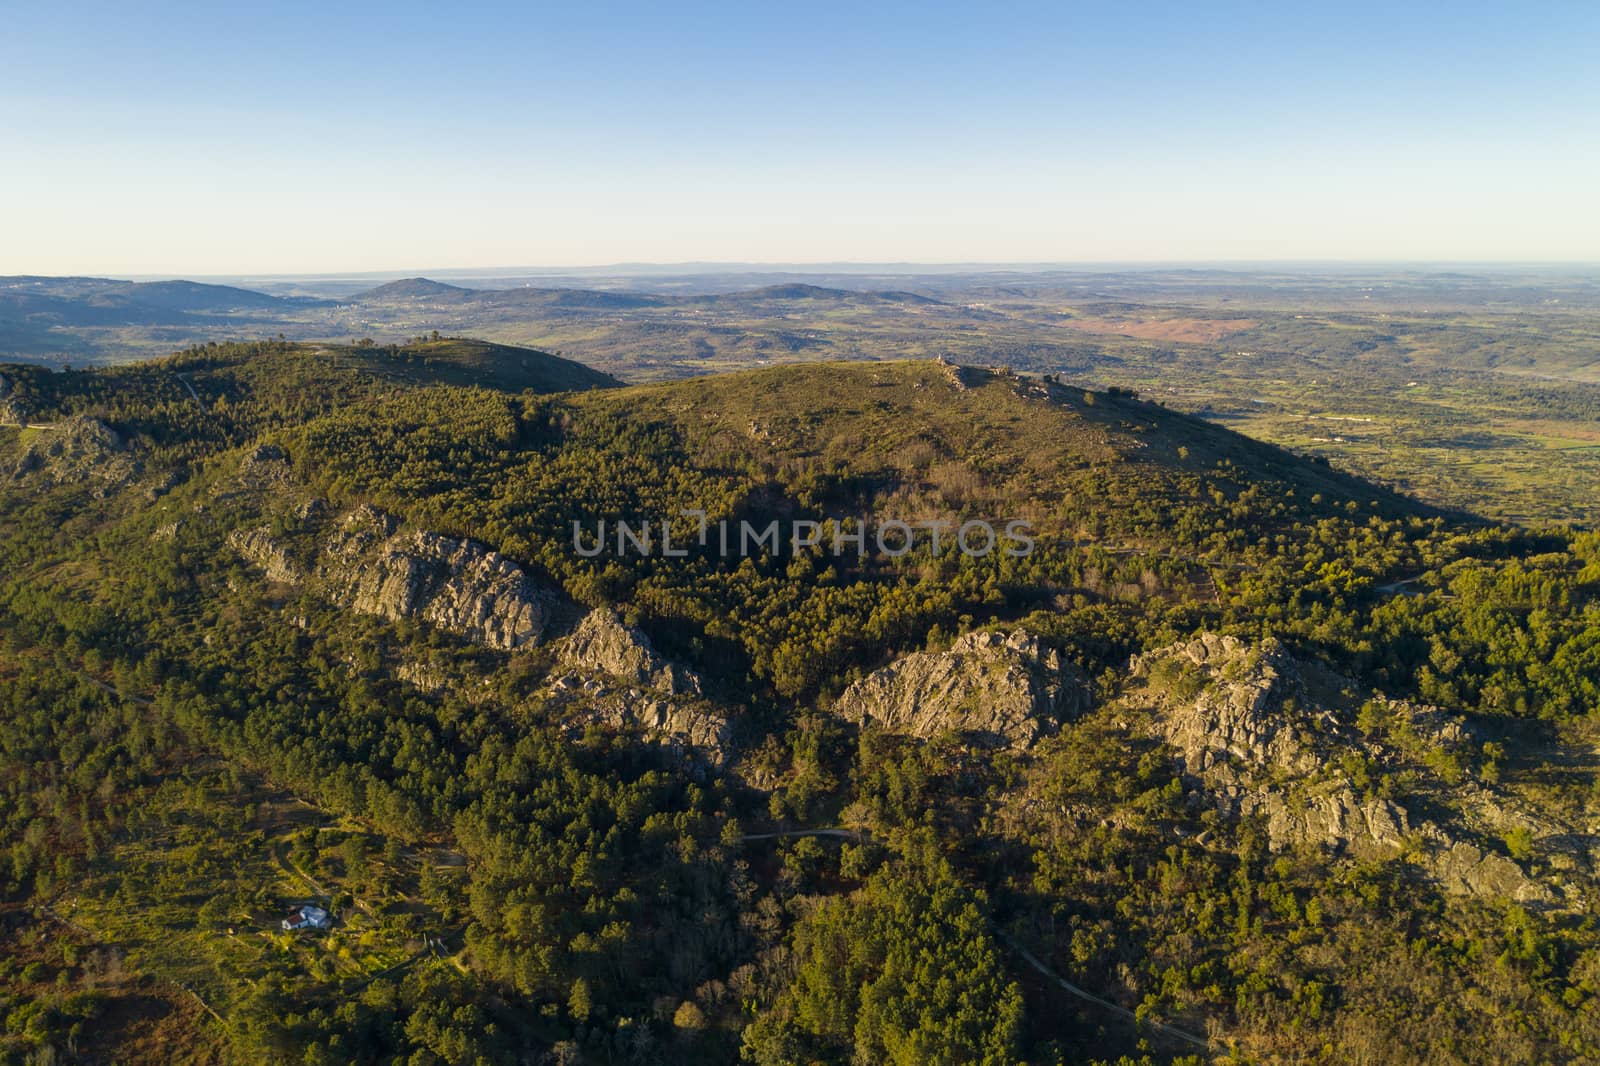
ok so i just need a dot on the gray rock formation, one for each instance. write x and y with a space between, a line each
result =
691 727
1006 688
76 449
1246 730
608 674
602 644
1332 814
1237 712
425 676
258 547
458 585
953 372
264 466
1463 868
361 531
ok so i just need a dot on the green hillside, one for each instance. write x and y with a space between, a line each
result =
1246 760
219 393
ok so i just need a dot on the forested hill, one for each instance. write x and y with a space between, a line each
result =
224 394
1244 746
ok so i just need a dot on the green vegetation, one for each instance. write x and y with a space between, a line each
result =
905 973
189 750
1473 391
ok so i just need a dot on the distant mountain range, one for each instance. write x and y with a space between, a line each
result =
106 301
31 305
426 290
100 320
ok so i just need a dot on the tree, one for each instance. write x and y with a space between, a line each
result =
580 1003
905 972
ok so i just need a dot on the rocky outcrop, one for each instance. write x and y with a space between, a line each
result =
370 566
1236 712
258 547
360 532
264 466
76 449
423 675
953 372
608 675
1007 689
691 727
1246 730
1463 868
458 585
1334 815
602 644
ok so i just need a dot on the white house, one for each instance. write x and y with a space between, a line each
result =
307 917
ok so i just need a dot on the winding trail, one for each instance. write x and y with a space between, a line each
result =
196 396
288 866
1068 986
842 834
111 691
1027 956
1396 587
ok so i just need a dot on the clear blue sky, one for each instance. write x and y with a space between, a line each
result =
193 139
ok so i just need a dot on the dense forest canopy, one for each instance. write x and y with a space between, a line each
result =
231 690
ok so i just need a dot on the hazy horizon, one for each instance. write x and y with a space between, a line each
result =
865 268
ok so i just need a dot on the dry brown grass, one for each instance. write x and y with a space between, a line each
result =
141 1019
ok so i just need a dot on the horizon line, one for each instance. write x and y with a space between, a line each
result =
694 266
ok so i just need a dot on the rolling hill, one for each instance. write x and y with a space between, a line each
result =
224 394
798 292
410 289
1241 759
95 301
1488 406
423 293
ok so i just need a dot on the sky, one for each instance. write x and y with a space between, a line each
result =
190 139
